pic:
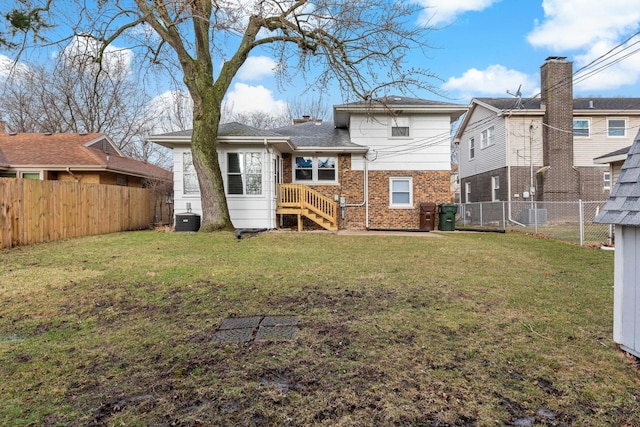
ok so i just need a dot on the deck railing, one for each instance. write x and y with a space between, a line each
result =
304 198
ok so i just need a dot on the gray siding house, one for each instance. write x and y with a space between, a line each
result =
543 149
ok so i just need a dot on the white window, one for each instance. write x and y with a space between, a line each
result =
244 173
319 169
581 128
401 192
606 176
486 137
190 184
472 148
616 127
31 175
467 192
400 127
495 188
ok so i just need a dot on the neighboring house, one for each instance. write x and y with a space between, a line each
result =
542 149
455 184
87 158
370 168
623 210
615 160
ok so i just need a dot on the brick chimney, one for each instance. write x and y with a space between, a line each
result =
558 181
306 119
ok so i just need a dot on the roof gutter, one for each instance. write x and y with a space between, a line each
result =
362 150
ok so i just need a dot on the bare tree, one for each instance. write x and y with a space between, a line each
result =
358 45
315 109
76 94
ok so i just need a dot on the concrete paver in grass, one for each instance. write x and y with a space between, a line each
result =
258 328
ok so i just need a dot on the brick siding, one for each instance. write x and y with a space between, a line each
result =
559 181
428 186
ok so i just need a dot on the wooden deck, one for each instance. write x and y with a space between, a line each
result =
303 201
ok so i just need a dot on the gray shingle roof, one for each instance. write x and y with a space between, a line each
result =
623 206
619 152
317 134
401 100
322 135
511 103
578 103
229 129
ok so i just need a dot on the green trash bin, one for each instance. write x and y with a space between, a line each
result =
447 217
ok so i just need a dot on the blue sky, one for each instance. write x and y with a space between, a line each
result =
483 48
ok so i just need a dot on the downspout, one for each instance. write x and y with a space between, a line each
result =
272 209
366 191
72 174
508 144
509 171
365 194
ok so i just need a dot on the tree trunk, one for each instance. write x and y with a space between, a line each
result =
204 143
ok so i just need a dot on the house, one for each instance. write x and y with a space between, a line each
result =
542 149
87 158
615 160
369 168
623 210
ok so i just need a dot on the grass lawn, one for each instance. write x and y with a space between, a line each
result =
476 329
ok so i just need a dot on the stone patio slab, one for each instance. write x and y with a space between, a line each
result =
241 322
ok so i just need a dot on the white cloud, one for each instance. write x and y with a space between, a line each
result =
85 48
592 29
609 72
446 11
8 67
169 112
494 80
248 99
256 68
577 24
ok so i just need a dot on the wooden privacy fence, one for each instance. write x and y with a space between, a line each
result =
33 211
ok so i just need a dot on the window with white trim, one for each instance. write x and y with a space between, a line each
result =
400 127
401 192
606 177
581 128
486 137
617 127
495 188
467 192
320 169
190 184
472 148
244 173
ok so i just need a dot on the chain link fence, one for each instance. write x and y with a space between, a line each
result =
567 221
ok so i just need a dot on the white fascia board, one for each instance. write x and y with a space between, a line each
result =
340 150
610 159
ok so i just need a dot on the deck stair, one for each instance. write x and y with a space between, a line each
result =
303 201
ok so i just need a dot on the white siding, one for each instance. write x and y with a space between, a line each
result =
525 137
253 211
626 300
180 199
427 148
599 143
245 211
488 158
